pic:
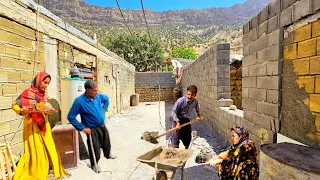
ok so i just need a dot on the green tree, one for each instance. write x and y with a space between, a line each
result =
184 52
144 53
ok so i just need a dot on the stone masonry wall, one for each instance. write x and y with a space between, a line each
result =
24 52
147 86
263 41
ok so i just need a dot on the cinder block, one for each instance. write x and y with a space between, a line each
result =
26 76
22 86
13 76
5 128
290 51
3 76
245 93
307 48
245 71
273 23
315 5
258 94
286 17
317 84
259 44
269 82
275 38
301 9
249 82
315 65
315 102
258 69
315 28
246 50
287 3
8 114
27 43
273 96
245 39
30 33
307 83
273 67
222 46
222 54
248 124
9 89
253 35
255 21
24 54
275 8
246 28
6 24
249 60
7 62
303 33
268 109
250 104
270 53
2 49
6 102
264 14
12 51
263 27
262 120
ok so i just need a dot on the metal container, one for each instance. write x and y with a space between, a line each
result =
176 94
67 143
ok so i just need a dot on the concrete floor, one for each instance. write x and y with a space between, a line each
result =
125 131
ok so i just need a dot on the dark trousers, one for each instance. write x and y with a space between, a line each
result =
183 133
100 140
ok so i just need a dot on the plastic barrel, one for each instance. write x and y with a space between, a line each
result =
134 100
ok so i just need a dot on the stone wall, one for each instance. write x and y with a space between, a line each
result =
55 49
266 74
236 86
147 86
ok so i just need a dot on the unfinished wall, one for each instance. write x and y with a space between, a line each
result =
147 86
57 47
211 74
263 79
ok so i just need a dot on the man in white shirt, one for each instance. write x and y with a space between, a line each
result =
178 69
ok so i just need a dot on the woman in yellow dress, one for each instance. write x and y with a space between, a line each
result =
39 153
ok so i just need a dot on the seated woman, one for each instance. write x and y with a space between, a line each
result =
239 161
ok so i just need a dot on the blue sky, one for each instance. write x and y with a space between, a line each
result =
161 5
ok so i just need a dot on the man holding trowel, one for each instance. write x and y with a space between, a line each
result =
181 112
92 107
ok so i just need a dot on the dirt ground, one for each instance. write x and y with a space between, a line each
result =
126 130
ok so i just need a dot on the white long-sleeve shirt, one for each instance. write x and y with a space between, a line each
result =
176 64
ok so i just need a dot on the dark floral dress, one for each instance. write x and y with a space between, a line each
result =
240 163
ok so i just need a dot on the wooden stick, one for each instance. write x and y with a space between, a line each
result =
174 129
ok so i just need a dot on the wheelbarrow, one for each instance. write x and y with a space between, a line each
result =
165 168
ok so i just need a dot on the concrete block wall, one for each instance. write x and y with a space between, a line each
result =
23 53
263 40
147 86
211 74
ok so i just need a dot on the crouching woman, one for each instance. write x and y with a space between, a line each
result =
239 161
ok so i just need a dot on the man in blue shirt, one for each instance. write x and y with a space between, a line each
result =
181 112
92 107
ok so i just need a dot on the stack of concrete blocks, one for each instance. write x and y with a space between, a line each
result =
147 86
236 86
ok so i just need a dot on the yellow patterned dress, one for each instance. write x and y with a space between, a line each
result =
39 153
240 164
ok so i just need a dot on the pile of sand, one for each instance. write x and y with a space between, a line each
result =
173 156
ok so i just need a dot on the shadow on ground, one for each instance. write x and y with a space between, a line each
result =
198 173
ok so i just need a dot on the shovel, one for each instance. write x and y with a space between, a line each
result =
154 139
